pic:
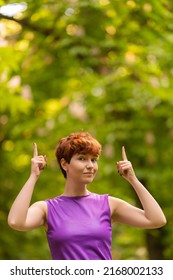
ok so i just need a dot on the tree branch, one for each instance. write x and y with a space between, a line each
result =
27 24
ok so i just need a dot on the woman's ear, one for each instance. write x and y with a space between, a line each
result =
64 164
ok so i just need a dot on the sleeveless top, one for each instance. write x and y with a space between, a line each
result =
79 228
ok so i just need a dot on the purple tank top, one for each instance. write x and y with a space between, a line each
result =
79 228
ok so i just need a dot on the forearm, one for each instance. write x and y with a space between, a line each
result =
18 212
151 208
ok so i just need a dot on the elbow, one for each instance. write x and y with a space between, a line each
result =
161 223
164 222
17 225
13 224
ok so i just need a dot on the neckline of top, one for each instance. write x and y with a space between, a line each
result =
76 196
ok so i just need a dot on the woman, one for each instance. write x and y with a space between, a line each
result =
78 222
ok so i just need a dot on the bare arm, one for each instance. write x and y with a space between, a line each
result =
151 216
22 216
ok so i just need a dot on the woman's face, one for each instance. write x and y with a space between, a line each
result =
82 167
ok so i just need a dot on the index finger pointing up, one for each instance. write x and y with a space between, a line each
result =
124 156
35 150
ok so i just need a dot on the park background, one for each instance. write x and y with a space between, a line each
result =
102 66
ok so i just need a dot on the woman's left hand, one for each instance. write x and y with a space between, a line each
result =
125 168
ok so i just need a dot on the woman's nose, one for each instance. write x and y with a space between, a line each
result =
89 164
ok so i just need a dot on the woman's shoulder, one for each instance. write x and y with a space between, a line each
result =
115 200
97 195
40 204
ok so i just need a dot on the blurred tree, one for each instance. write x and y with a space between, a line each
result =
104 66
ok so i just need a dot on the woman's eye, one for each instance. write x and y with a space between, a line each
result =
81 158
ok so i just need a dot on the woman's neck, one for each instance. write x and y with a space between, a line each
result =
75 190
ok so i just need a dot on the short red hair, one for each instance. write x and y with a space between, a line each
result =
76 143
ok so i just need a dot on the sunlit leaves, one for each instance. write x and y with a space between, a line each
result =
104 66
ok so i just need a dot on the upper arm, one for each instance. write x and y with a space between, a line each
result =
36 216
126 213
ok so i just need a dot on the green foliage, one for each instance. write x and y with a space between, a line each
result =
104 66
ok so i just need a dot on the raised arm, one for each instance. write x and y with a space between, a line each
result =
151 216
22 216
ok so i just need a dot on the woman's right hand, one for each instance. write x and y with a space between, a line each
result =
38 163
